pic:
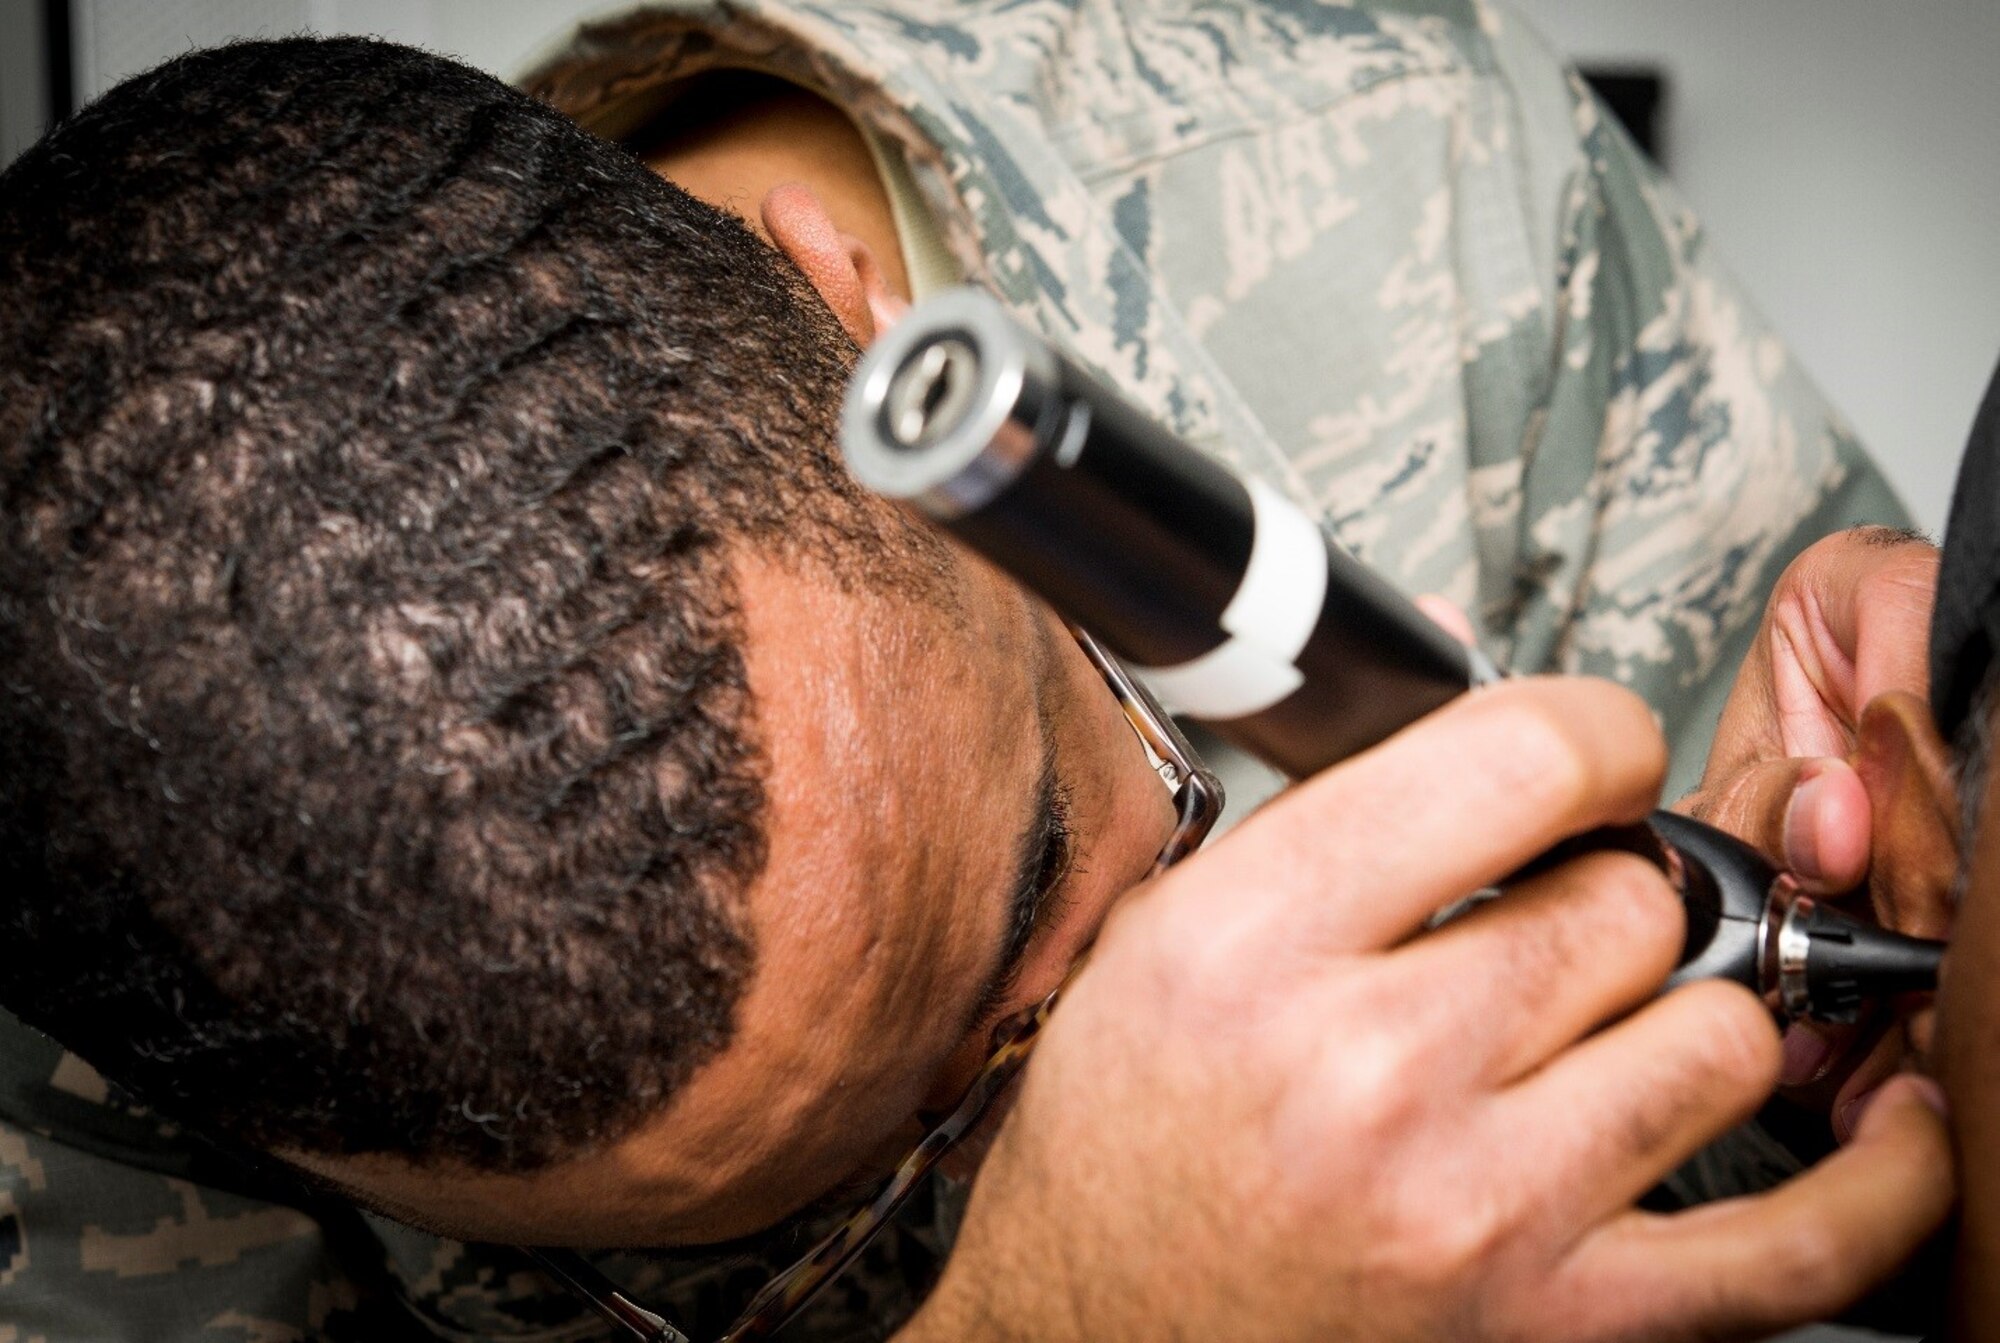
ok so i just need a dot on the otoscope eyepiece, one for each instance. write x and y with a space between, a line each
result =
948 411
1235 605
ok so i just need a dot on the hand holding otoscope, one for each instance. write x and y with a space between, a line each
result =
1234 606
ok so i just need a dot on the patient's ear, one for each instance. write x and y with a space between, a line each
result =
1913 798
839 265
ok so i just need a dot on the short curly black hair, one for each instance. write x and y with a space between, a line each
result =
377 767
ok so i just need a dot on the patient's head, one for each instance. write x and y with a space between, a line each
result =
460 727
1965 689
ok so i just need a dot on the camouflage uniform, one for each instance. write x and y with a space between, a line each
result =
114 1225
1387 255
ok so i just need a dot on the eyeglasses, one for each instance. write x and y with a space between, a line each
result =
1197 802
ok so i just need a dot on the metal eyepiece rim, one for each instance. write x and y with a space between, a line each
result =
996 433
1794 946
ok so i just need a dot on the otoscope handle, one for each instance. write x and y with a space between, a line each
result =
1236 608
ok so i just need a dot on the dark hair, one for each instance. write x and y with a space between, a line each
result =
377 768
1972 759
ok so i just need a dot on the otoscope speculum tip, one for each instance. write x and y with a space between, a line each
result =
1830 963
1750 923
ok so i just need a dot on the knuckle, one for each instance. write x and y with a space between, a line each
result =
1434 1237
1740 1042
1207 965
1881 562
1904 540
1544 951
1546 761
1578 744
1444 1248
1833 543
1893 570
1375 1075
1631 888
1631 903
1612 916
1905 579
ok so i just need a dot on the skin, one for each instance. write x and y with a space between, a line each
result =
878 917
1969 1064
857 1017
1891 756
1825 760
1461 1165
1252 1099
1914 885
796 171
1848 621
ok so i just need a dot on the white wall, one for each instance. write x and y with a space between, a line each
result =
116 38
1845 155
23 91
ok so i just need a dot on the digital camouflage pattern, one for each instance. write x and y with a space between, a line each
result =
1390 256
113 1225
1387 255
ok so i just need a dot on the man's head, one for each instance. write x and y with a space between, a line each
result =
1965 690
461 729
1929 770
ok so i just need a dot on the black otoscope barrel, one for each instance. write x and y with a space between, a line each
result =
1233 604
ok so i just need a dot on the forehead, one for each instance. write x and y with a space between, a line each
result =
903 741
902 737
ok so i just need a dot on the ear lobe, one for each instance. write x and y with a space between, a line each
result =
1912 794
840 266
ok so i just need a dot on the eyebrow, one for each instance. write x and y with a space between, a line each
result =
1034 851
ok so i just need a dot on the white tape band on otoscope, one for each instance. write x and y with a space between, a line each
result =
1268 621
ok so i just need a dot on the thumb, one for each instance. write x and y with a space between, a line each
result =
1809 815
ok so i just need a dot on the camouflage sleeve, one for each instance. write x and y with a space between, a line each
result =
93 1249
1716 459
122 1227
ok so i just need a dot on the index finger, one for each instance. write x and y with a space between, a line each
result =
1871 590
1358 857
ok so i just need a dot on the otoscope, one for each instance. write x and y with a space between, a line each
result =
1237 609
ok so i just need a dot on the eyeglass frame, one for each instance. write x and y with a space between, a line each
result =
1197 805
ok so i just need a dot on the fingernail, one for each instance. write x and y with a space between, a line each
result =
1848 1122
1931 1092
1806 1057
1801 842
1855 1115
